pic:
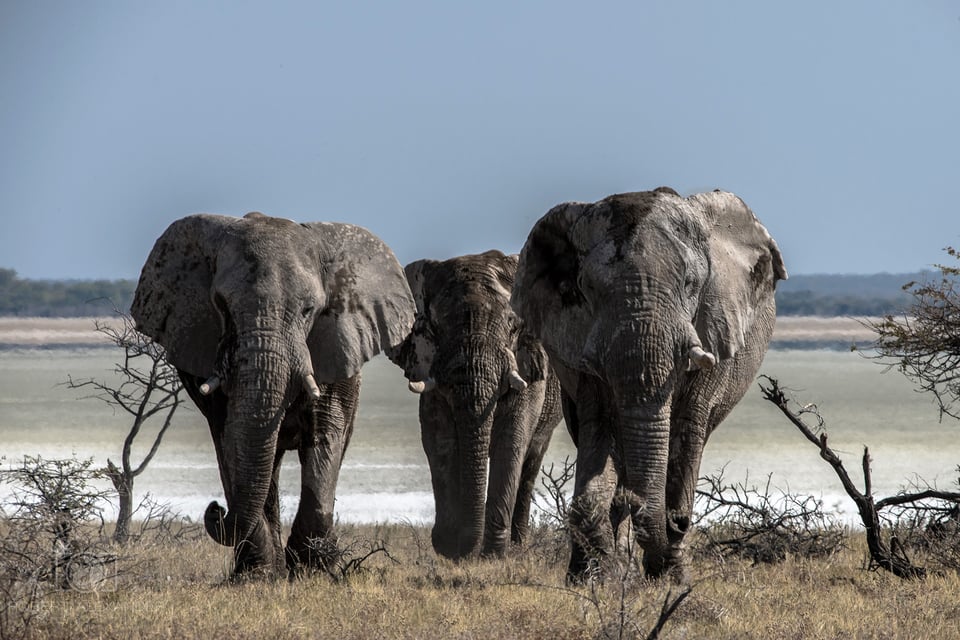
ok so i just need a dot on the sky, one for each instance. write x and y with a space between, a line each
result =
450 127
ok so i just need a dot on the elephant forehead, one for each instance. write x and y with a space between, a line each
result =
660 237
264 262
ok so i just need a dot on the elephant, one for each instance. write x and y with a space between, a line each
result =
487 393
656 311
268 323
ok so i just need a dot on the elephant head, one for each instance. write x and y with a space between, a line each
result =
262 310
467 358
656 311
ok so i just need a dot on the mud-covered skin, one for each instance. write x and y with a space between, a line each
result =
489 397
656 311
278 318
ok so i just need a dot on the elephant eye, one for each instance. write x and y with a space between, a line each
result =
307 310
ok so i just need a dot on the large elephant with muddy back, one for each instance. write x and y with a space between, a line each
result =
656 311
487 397
268 323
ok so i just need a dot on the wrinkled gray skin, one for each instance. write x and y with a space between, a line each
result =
656 311
487 392
282 315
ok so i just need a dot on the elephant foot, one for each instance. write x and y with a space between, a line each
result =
321 553
257 554
670 564
453 543
583 568
312 542
258 557
495 544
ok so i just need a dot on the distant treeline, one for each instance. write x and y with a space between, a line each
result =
801 295
846 295
62 298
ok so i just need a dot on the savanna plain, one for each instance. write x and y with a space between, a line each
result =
181 590
173 582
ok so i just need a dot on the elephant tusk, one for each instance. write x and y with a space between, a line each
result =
422 386
310 386
210 385
516 381
700 359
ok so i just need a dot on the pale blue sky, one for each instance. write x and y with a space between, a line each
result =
450 127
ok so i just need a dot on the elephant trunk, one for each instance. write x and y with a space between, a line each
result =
474 451
642 399
477 377
259 390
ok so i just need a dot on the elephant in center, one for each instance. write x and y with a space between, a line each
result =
487 393
656 311
268 323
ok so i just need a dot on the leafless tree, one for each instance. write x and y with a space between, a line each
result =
923 342
147 388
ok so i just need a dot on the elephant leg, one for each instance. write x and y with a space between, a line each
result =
595 482
271 509
440 445
547 421
528 479
331 418
687 439
508 444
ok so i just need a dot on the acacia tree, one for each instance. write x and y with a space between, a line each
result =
923 342
148 387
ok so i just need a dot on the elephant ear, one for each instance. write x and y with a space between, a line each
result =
172 302
745 265
369 307
529 352
418 273
415 354
545 294
532 360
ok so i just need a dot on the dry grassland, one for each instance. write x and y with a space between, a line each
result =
180 590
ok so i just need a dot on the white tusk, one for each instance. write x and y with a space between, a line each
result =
700 359
422 386
210 385
516 381
310 386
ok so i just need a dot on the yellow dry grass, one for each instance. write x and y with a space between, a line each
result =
181 591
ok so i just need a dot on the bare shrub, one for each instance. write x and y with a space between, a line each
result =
342 561
760 524
550 533
51 537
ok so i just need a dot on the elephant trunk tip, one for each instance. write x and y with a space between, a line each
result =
214 521
422 386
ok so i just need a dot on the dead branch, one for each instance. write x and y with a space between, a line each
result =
891 558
